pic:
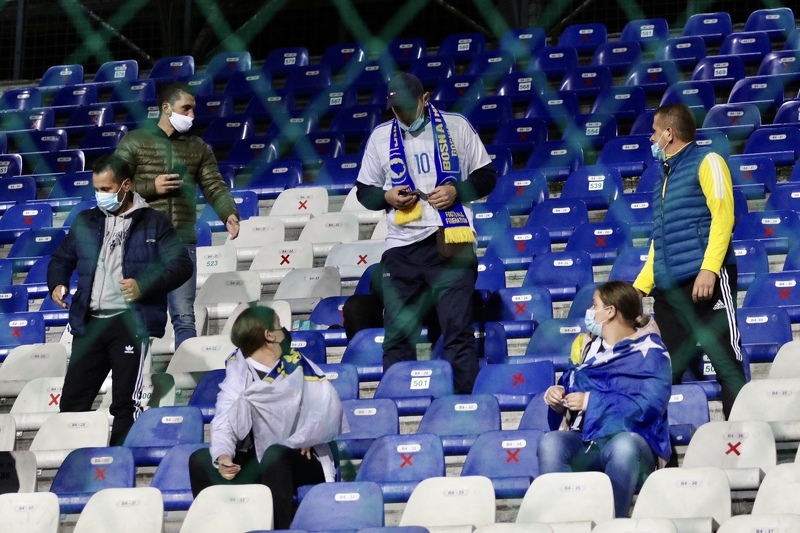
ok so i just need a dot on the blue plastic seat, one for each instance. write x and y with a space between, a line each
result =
413 385
223 132
715 140
628 154
223 64
10 165
720 71
36 278
618 56
338 174
603 241
489 219
102 139
519 191
50 140
653 76
172 477
209 108
792 40
13 299
585 38
539 417
785 197
52 313
22 123
562 273
522 42
788 114
328 101
753 174
70 189
777 22
273 177
369 77
459 419
508 458
158 429
776 289
339 57
86 471
491 65
17 190
200 83
462 47
622 102
18 99
629 263
763 330
635 211
17 329
344 378
489 113
112 73
554 61
552 341
520 87
204 396
308 80
289 126
781 144
399 462
432 69
751 46
591 131
32 245
501 157
649 33
698 96
403 52
356 122
643 125
751 260
458 92
252 152
84 118
491 276
764 92
560 216
556 159
519 309
172 67
685 51
777 230
792 261
553 107
738 121
365 352
595 185
20 218
243 85
128 91
521 135
712 27
514 384
687 410
340 506
517 247
70 97
328 313
368 419
587 82
60 75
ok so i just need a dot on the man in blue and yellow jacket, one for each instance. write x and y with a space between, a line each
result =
691 269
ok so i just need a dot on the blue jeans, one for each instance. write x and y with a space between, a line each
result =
181 303
625 457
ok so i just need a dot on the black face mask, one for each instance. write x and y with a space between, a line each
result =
286 343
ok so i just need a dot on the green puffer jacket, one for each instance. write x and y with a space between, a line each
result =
150 152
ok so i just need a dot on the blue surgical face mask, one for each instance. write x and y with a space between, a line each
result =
595 328
109 201
416 125
659 154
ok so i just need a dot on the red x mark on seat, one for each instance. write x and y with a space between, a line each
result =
600 241
362 259
54 399
406 460
285 259
257 152
16 332
523 136
302 205
101 473
733 448
589 82
519 308
654 77
28 221
512 456
518 378
784 293
769 231
520 246
734 121
462 91
520 190
748 175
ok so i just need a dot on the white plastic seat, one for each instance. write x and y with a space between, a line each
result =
63 432
272 262
364 215
778 491
281 308
197 356
230 508
454 503
32 512
8 432
30 361
506 527
254 233
214 259
773 523
697 500
569 501
328 229
631 525
353 258
786 363
295 207
123 510
744 450
221 293
776 401
18 471
303 288
39 399
163 345
158 390
381 230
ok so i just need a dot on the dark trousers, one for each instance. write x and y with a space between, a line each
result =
108 344
409 271
362 311
711 323
281 469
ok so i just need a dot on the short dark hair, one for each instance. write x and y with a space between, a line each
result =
624 297
171 92
248 329
119 167
680 118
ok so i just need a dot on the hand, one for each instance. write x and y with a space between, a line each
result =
232 224
306 452
443 197
574 401
554 395
130 289
703 286
227 468
167 183
58 295
398 201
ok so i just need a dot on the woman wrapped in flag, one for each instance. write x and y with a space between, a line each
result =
614 397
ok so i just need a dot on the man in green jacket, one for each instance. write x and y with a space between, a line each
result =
168 165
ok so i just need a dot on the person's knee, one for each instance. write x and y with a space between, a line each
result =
550 448
274 453
626 447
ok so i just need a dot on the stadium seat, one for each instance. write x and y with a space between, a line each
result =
10 165
271 178
413 385
340 57
491 276
172 477
223 132
624 103
784 197
580 498
399 462
764 92
720 71
556 159
213 259
552 341
696 499
86 471
562 273
157 430
353 258
432 69
230 507
264 108
328 319
356 123
243 85
591 131
60 75
777 22
755 175
365 352
344 378
788 114
315 149
597 187
18 99
296 206
560 216
459 419
63 432
307 80
522 42
775 289
508 458
340 506
585 38
618 56
35 511
273 262
129 93
20 218
751 260
629 154
489 219
751 46
51 165
653 76
338 173
37 400
246 203
210 107
30 361
458 92
125 510
488 114
586 82
521 135
715 140
773 400
246 155
519 309
204 396
603 241
33 244
517 247
519 191
328 229
756 522
712 27
172 67
368 419
628 264
554 61
102 139
653 525
462 47
223 64
403 52
649 33
697 95
491 65
17 468
49 140
303 288
254 233
554 107
737 120
514 385
451 502
777 230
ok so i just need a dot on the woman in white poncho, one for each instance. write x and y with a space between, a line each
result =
276 414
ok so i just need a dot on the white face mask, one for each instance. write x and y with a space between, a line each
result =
181 123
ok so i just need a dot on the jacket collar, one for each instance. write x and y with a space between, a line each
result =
679 156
